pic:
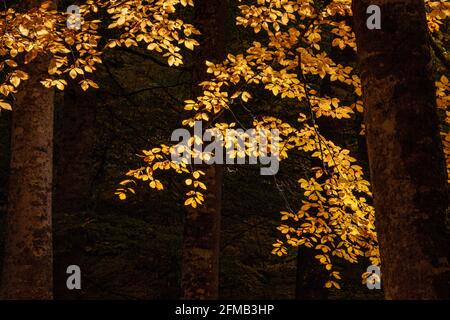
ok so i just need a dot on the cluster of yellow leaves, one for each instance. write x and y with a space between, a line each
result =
239 143
335 218
438 11
271 15
73 53
276 65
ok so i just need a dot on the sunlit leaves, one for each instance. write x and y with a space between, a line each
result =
443 103
279 249
291 60
59 83
42 31
438 12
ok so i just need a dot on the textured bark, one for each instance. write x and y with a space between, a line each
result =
74 162
200 256
27 271
310 278
405 152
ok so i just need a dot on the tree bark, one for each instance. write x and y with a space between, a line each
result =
75 137
27 271
405 152
200 252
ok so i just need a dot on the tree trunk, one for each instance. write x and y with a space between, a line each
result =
27 271
200 256
311 277
405 152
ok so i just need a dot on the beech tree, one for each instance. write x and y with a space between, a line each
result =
200 250
405 151
289 60
38 51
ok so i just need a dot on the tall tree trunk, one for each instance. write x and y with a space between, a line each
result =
200 256
310 277
75 137
405 151
27 271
